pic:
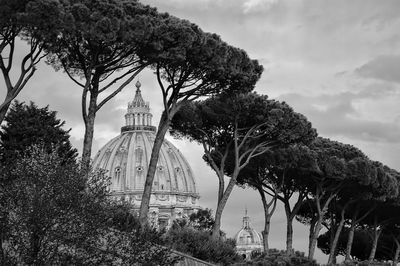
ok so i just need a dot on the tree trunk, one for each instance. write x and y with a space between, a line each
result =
313 244
155 152
289 235
267 223
377 233
89 130
289 228
396 253
332 253
311 231
4 109
350 239
318 226
220 208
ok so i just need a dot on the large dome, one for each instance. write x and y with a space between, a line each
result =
126 159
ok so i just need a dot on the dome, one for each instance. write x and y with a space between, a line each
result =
126 159
248 239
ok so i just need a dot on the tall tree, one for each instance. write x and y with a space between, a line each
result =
235 129
385 188
26 20
97 45
343 168
50 210
385 215
290 173
331 158
361 185
27 125
189 65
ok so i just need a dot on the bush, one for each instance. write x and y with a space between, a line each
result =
280 258
52 214
201 245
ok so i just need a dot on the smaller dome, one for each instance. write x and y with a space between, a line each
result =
248 236
248 239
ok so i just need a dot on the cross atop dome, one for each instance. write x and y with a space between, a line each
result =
138 116
138 100
246 220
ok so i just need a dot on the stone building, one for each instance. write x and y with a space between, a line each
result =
248 239
126 158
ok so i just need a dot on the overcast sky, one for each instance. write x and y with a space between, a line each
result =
337 62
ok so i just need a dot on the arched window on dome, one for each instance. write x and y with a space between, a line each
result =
248 239
117 176
139 155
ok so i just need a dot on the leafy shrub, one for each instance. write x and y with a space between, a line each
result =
201 245
280 258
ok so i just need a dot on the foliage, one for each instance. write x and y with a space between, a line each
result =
58 216
97 45
213 121
28 125
201 245
235 129
280 258
28 20
51 207
190 64
202 220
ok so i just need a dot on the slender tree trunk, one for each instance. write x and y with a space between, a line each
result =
351 237
318 226
396 253
289 235
313 244
3 109
162 130
332 253
289 228
265 232
27 70
89 130
267 223
220 208
221 185
377 233
311 231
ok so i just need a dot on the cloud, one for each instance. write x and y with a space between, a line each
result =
250 6
384 67
337 115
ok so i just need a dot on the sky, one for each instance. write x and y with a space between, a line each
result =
335 61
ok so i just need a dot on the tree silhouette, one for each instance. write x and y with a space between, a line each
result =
234 130
26 20
189 65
